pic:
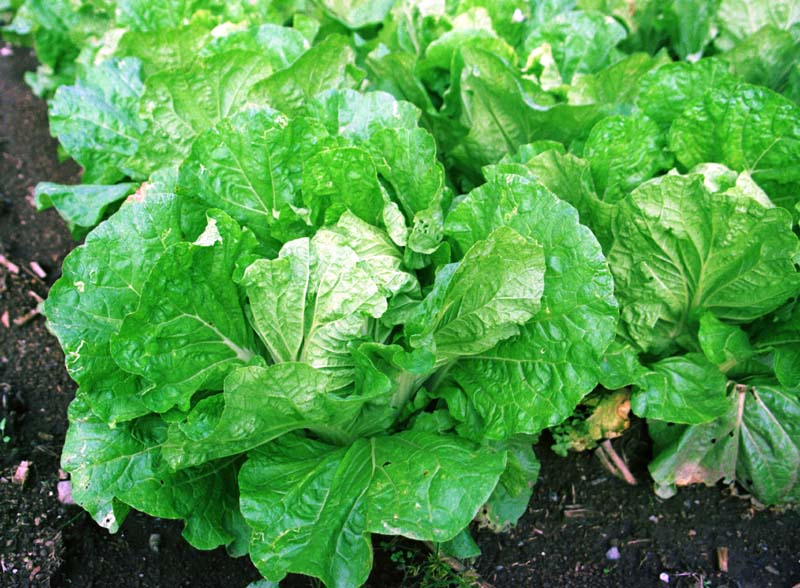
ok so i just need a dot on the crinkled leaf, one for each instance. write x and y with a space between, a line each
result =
96 119
326 66
724 345
102 281
416 484
738 19
680 251
536 379
189 330
315 300
124 465
251 166
482 300
623 152
179 104
681 389
747 128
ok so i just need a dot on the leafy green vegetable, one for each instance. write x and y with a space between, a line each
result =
350 257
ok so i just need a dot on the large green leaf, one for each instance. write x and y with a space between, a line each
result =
680 251
756 442
96 119
581 41
81 206
482 300
681 389
115 467
623 152
416 484
259 405
189 330
747 128
251 166
738 19
330 65
536 379
179 104
102 281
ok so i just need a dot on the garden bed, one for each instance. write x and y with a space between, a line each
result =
578 513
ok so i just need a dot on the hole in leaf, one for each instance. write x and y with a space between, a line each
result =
387 463
730 434
749 482
425 472
713 441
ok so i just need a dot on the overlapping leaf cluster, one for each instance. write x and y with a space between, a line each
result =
352 257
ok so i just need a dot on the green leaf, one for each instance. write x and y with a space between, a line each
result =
102 281
536 379
738 19
665 92
81 206
765 58
342 178
330 65
625 151
179 104
620 366
111 468
680 251
251 166
724 345
756 442
459 318
318 297
510 498
681 389
496 110
581 41
96 119
747 128
356 14
259 405
189 330
409 484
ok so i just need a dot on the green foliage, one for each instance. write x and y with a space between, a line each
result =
338 274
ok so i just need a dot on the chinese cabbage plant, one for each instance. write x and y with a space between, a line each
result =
344 261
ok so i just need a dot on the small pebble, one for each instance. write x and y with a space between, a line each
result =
65 492
613 553
500 568
154 542
664 577
21 475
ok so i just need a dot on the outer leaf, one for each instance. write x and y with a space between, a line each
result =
261 404
355 14
81 206
536 379
96 119
757 443
124 464
327 66
189 330
679 251
740 18
582 42
682 389
724 345
102 281
407 484
665 92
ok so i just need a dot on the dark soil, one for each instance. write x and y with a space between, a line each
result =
578 512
